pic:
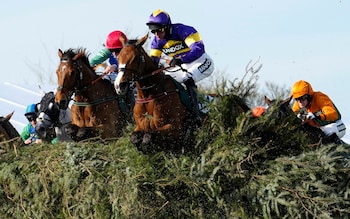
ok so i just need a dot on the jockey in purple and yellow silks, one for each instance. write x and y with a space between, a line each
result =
317 109
184 44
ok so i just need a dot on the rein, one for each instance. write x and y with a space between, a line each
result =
158 96
79 87
96 102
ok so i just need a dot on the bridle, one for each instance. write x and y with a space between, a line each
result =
78 85
135 77
135 73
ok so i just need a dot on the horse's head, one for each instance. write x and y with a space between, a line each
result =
6 128
283 106
70 74
134 64
48 113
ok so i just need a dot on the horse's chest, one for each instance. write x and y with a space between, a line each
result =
148 116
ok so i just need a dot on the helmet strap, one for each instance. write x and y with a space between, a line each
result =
309 99
168 30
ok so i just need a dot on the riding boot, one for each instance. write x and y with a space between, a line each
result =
335 139
191 89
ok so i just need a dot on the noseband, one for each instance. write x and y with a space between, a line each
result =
136 72
78 85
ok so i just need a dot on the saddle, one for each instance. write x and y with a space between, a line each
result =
185 98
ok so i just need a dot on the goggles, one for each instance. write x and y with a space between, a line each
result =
160 30
31 118
115 50
302 98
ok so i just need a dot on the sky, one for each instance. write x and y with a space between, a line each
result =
292 39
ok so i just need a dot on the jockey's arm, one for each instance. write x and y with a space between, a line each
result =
100 57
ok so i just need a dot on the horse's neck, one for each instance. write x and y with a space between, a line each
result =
155 85
89 76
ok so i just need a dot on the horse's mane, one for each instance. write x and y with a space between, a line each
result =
132 42
70 53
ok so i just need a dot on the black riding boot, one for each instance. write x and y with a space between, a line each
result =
334 138
191 89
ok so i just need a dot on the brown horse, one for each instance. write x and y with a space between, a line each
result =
95 111
162 120
8 133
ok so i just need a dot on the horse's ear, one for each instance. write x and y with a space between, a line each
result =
141 41
42 92
80 54
267 101
8 117
287 100
60 53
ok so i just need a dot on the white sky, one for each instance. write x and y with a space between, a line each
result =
295 39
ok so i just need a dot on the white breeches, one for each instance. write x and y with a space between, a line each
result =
337 127
198 69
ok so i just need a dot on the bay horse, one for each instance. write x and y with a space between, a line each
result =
52 122
8 133
162 120
95 110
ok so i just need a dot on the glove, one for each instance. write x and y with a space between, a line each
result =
310 116
300 116
175 61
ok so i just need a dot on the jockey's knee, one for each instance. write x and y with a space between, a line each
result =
190 82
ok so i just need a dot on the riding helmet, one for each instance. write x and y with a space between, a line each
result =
158 19
301 88
116 40
31 109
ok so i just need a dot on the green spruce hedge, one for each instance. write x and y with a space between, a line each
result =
241 167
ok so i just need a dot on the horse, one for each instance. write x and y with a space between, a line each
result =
52 121
96 112
162 120
8 133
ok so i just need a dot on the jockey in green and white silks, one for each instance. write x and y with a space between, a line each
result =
28 134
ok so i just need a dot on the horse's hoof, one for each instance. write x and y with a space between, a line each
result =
146 138
135 138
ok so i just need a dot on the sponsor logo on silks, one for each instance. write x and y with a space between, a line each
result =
173 49
203 67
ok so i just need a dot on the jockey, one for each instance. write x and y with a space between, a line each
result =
317 109
114 43
28 134
184 44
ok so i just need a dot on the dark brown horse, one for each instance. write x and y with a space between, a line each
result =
162 120
8 133
95 110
